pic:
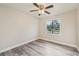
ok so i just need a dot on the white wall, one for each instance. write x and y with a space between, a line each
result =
16 27
77 29
68 29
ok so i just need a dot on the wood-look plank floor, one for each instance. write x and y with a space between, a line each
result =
41 48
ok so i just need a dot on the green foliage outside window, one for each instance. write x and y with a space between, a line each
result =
53 26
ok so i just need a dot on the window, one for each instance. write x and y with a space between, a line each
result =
53 26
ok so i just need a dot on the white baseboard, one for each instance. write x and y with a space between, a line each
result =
74 46
9 48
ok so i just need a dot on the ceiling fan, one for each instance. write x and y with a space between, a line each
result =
41 8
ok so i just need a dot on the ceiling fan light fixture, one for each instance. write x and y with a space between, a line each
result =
41 11
42 8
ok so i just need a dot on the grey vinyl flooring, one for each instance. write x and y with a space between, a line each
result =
41 48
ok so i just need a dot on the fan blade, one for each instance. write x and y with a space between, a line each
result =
50 6
47 12
33 10
36 4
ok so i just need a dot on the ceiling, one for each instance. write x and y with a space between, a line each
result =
57 9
